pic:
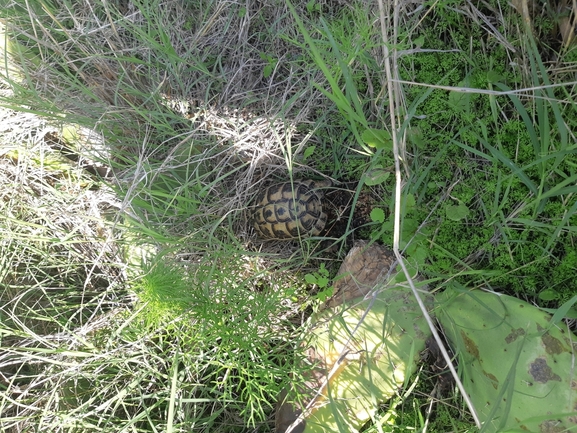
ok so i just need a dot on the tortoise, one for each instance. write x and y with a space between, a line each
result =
290 210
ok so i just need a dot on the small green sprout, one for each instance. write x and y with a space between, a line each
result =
321 279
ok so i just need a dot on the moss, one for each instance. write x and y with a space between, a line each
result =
509 233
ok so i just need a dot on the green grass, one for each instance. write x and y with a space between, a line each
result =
143 302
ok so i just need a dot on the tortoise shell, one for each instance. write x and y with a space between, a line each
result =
290 210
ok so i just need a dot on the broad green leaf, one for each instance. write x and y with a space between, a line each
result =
420 256
308 152
548 295
310 278
516 368
460 101
267 71
377 342
457 212
419 41
377 138
415 135
313 6
378 215
494 77
376 176
325 294
409 202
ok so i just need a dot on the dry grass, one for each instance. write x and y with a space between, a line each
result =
62 273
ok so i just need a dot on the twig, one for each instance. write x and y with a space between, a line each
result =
394 96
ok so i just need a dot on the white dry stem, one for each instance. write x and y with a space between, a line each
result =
525 90
394 95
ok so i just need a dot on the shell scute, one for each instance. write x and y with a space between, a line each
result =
290 210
